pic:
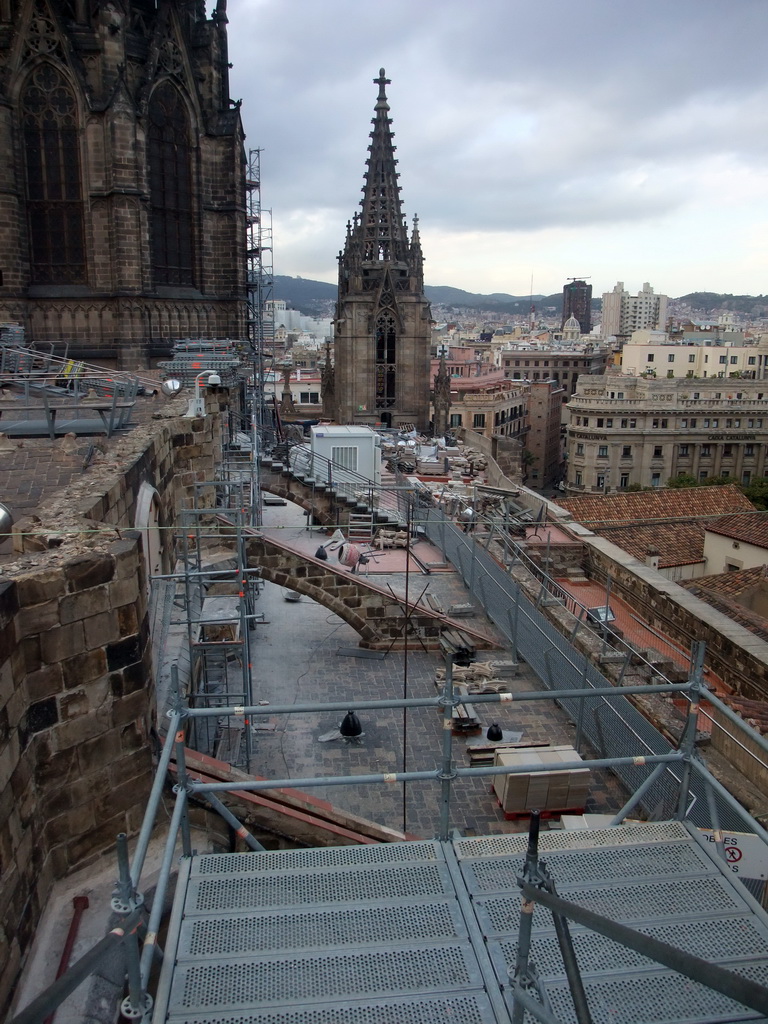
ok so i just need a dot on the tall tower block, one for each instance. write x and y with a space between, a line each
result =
382 330
577 302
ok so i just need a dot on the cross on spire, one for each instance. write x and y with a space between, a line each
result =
384 232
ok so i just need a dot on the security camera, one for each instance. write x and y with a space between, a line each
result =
213 380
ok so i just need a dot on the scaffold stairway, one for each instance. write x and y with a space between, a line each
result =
360 527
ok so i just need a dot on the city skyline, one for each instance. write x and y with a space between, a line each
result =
544 142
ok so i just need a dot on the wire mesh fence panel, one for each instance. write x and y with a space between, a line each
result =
613 726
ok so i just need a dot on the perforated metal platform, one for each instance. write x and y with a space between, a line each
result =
424 932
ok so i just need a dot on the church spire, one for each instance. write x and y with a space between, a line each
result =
382 225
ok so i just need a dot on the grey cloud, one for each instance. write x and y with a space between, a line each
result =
508 115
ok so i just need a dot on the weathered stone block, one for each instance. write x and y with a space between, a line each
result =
76 820
96 840
30 647
8 640
84 667
84 604
101 629
45 682
43 586
91 787
119 799
41 715
135 677
62 643
124 592
37 618
123 652
99 751
129 708
127 620
73 704
78 731
54 766
89 571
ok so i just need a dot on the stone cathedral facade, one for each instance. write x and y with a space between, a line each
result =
383 320
122 183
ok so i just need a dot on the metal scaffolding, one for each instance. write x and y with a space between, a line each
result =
259 278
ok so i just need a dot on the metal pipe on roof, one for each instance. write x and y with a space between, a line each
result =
434 775
426 702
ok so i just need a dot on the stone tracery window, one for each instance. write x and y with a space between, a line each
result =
386 357
54 191
170 187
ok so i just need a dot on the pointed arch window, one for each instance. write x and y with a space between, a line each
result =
54 190
386 359
170 188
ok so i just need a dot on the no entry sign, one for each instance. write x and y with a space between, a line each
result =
745 853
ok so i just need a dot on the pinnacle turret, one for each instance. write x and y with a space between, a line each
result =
382 228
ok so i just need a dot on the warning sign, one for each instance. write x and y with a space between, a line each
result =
745 853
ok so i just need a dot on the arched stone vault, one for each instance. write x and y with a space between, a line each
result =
369 609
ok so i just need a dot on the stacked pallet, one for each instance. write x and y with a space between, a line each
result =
482 755
463 715
552 791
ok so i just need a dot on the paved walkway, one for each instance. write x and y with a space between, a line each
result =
300 655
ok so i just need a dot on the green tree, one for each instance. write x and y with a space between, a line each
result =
683 480
757 492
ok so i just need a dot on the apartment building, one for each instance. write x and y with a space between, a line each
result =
490 405
624 313
563 365
544 441
631 430
728 354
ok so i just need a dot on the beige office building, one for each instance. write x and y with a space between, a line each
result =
627 430
729 355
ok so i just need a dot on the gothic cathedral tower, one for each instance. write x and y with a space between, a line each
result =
122 179
382 326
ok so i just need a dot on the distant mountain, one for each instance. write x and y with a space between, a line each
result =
708 302
315 298
311 297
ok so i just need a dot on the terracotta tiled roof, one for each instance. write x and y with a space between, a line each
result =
753 529
730 593
677 543
635 507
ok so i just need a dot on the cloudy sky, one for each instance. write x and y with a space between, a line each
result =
546 138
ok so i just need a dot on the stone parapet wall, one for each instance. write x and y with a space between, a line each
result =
77 698
504 456
738 746
77 695
738 656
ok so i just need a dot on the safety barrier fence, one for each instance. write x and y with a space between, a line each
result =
611 727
